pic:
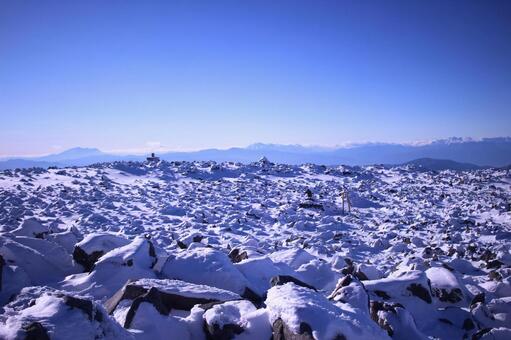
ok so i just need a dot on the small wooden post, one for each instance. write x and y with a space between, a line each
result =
345 197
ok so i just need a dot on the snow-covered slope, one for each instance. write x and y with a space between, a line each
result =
206 250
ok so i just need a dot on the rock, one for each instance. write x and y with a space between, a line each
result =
93 246
236 255
146 305
420 291
500 333
478 298
35 331
31 227
297 312
169 294
43 312
446 287
395 320
413 283
311 205
280 331
226 320
283 279
130 262
209 267
260 270
31 261
350 290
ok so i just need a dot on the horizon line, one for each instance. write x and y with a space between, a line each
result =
348 144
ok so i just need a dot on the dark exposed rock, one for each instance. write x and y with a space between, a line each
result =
35 331
376 307
283 279
310 205
427 253
197 238
236 255
227 332
495 275
360 275
494 264
452 296
478 298
86 260
181 245
487 255
382 294
280 331
419 291
394 319
82 304
479 334
468 324
251 296
350 290
163 301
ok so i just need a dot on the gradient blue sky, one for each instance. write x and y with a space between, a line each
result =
131 75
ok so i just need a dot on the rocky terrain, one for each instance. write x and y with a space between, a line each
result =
204 250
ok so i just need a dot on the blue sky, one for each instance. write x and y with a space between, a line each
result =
135 75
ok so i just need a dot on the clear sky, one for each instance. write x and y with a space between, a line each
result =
130 75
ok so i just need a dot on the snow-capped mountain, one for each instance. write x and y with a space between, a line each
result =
484 152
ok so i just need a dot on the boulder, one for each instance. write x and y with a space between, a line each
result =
226 320
411 284
130 262
350 290
446 288
297 312
93 246
395 320
44 313
31 227
209 267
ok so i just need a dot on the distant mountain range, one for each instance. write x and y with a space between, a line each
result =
455 153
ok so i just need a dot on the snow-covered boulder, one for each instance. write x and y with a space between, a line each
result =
350 290
228 319
46 313
446 288
300 313
31 227
93 246
130 262
396 320
413 284
259 272
209 267
31 261
164 295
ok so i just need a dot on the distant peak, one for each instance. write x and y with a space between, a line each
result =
81 150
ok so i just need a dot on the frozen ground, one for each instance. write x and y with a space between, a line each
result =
217 251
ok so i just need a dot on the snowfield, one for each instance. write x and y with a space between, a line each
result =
205 250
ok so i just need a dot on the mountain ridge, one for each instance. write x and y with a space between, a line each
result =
494 152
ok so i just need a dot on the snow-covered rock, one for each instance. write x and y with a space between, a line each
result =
46 313
297 311
209 267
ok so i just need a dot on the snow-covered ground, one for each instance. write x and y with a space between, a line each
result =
219 251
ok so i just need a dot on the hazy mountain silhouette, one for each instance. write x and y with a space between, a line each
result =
494 152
